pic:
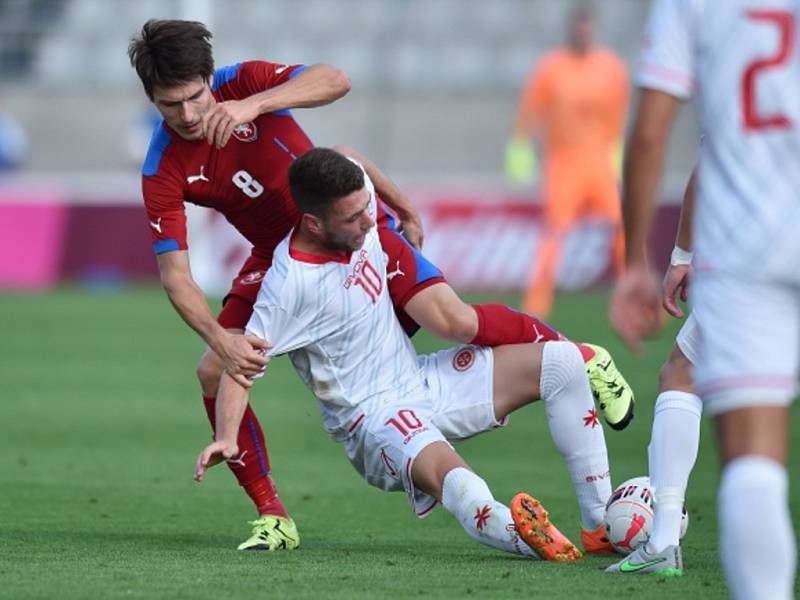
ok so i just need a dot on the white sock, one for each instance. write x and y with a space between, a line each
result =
575 428
756 541
672 453
467 497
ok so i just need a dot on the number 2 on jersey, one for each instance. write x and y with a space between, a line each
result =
247 183
751 118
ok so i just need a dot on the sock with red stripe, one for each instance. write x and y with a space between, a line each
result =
499 324
251 468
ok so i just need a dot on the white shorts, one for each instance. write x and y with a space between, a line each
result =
688 339
386 438
749 333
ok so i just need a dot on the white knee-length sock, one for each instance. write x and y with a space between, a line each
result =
757 543
575 428
467 497
672 453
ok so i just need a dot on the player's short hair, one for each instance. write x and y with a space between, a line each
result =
320 177
171 52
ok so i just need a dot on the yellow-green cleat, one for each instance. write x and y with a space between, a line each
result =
611 392
272 533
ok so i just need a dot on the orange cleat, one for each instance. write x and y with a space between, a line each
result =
535 528
596 541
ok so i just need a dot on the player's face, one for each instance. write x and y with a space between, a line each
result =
346 225
183 106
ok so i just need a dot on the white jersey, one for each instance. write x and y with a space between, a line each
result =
741 59
335 319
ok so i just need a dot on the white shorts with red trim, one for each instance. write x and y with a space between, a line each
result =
688 339
749 332
385 438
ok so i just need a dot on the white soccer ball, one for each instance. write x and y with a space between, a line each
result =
629 515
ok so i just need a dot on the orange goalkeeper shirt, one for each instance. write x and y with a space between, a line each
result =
575 105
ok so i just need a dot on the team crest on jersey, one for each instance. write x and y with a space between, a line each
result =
246 132
252 277
464 359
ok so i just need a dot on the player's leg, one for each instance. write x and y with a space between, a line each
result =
442 473
747 376
560 204
554 372
672 453
273 529
675 438
421 296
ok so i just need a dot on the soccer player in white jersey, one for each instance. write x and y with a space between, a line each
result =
741 59
325 303
675 436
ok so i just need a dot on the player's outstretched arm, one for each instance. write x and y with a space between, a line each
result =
240 354
316 85
635 307
676 279
231 403
392 195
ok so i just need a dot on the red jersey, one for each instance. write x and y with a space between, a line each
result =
247 180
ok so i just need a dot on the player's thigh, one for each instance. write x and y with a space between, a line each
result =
760 430
517 370
461 380
237 305
676 373
384 442
749 333
562 199
603 198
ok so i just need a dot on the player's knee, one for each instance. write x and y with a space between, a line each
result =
676 373
209 370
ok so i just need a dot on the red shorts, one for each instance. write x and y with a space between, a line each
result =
408 272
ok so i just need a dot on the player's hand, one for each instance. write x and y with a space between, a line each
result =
635 306
676 285
244 357
213 454
224 117
412 230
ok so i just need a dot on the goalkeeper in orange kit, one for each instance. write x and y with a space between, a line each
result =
573 107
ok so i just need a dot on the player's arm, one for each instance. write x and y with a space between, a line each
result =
231 404
635 309
316 85
676 279
237 352
392 195
521 162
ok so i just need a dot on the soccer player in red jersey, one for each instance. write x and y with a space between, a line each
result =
226 142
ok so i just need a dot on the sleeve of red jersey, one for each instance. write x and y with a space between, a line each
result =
258 75
666 62
163 201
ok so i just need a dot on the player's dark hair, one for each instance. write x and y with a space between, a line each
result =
171 52
320 177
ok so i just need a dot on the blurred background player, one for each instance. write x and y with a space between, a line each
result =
742 60
573 108
675 437
393 411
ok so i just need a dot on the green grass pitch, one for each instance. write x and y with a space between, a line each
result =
101 421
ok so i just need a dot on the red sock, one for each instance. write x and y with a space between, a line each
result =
498 324
586 352
251 467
